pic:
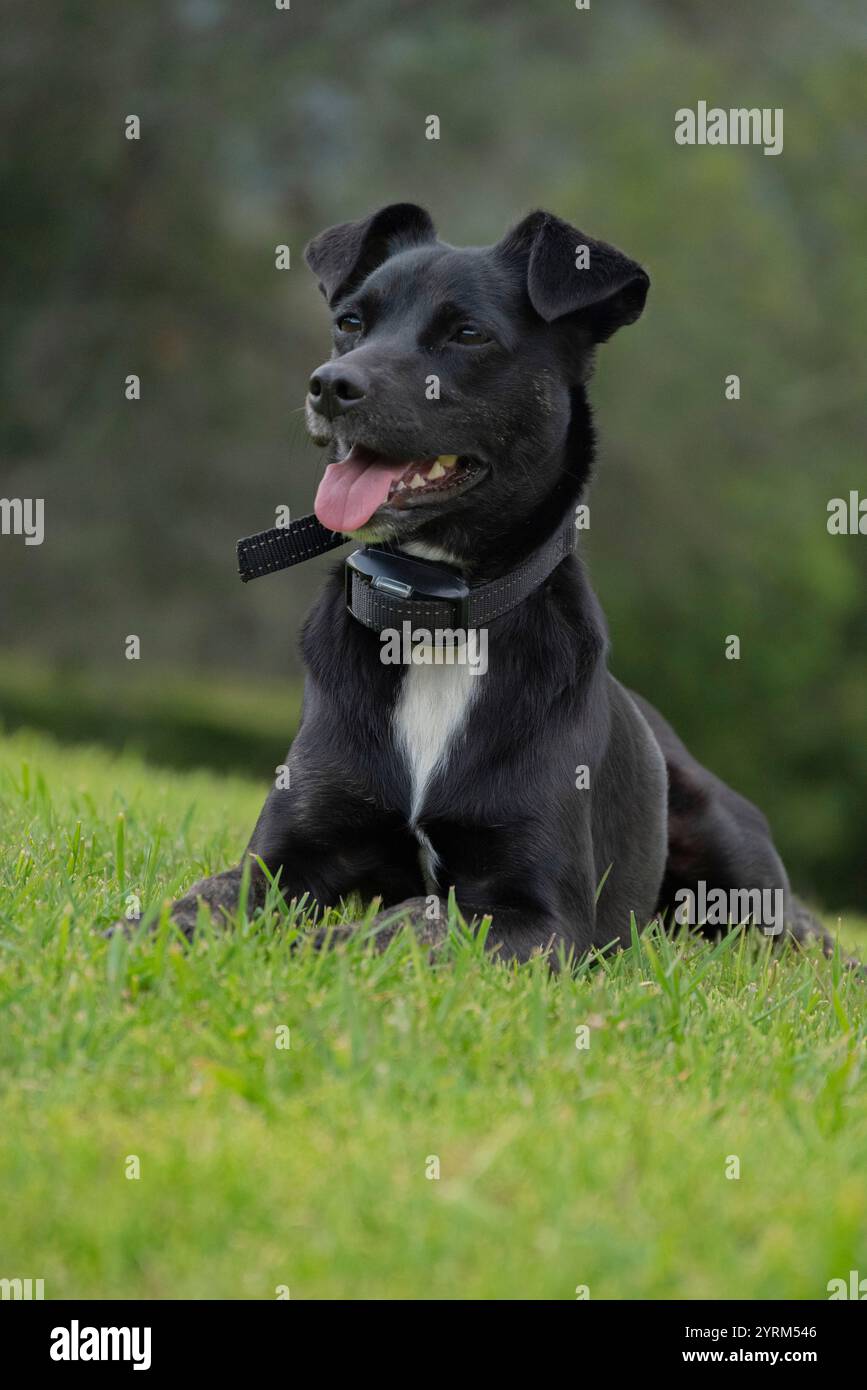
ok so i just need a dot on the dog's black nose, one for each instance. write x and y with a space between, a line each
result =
335 387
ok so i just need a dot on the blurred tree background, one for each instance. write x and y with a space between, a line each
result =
259 126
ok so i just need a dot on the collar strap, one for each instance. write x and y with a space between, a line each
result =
385 588
282 546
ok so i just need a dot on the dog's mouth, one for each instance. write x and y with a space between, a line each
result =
358 485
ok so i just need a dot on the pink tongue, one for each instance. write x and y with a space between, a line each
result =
351 490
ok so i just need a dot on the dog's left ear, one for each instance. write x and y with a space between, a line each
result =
344 255
571 273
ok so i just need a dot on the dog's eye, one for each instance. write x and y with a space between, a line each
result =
349 323
468 335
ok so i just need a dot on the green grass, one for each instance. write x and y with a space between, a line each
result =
306 1166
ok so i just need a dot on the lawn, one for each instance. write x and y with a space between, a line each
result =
313 1167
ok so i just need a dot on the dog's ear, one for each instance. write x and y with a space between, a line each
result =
570 273
344 255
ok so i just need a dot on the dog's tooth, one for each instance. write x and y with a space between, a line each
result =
448 460
436 471
416 480
401 487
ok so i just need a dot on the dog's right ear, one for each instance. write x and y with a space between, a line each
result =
344 255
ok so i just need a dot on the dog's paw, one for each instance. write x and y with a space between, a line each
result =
183 914
385 926
219 894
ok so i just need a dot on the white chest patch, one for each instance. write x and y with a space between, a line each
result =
430 715
431 712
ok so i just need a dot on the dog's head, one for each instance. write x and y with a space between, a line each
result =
450 386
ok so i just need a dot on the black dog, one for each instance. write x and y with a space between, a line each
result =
454 407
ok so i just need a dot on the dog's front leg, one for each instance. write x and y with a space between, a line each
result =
533 888
533 878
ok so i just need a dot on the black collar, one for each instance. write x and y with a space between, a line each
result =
385 588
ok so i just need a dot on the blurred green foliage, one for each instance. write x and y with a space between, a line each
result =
261 126
176 720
